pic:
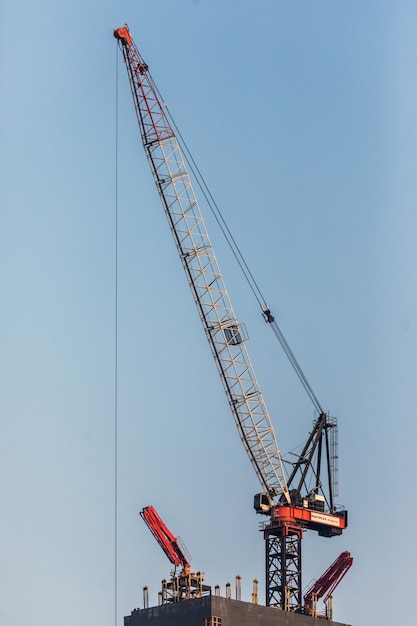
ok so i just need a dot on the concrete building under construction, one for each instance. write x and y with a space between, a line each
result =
217 611
185 600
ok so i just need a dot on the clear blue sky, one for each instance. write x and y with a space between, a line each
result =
302 116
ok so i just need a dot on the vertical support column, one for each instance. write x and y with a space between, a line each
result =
228 591
145 598
329 608
238 587
255 592
283 566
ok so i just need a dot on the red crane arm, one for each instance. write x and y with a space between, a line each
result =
328 582
170 545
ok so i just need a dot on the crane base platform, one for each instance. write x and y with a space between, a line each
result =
218 611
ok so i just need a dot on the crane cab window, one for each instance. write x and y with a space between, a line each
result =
232 335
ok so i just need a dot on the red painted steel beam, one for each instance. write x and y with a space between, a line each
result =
327 583
168 542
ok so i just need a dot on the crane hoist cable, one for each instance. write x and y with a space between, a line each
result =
239 257
116 339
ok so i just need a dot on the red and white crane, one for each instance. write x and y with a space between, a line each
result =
303 500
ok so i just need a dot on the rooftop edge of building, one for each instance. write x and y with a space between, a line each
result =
219 611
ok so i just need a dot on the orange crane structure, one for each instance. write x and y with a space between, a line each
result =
186 584
171 545
324 586
305 498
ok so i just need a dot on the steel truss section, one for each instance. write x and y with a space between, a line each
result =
283 567
222 329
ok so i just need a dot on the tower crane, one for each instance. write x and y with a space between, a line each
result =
303 500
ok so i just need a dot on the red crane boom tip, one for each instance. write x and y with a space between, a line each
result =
123 34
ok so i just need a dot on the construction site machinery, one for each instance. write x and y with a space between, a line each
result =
324 586
182 585
304 500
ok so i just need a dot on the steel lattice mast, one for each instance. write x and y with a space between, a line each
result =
221 327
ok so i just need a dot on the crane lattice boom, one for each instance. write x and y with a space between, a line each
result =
221 327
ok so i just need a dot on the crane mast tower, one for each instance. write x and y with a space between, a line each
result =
290 505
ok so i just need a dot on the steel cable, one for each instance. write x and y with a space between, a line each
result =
237 253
